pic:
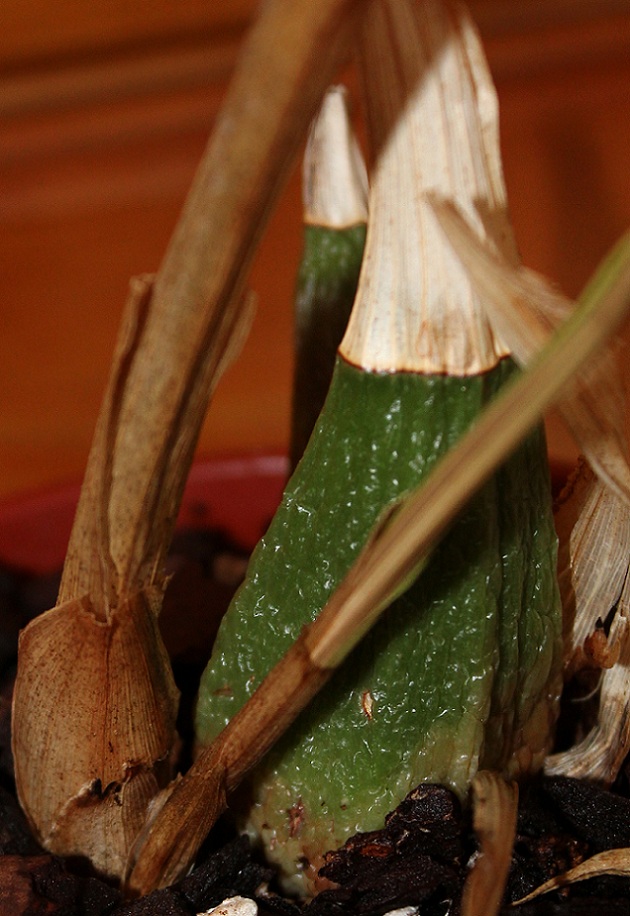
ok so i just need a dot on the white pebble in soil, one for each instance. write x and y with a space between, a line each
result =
233 906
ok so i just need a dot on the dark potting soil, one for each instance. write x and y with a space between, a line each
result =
418 859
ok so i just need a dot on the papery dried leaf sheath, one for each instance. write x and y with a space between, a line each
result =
594 530
106 685
335 182
595 526
416 308
95 704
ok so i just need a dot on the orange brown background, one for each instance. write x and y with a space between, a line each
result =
105 107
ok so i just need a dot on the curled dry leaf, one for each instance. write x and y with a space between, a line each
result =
95 704
495 808
602 589
610 862
594 531
110 683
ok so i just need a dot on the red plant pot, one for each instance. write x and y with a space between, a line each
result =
236 494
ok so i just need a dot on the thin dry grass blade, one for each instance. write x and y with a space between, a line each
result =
610 862
495 809
397 551
524 309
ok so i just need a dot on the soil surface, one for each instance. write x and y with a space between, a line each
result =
419 859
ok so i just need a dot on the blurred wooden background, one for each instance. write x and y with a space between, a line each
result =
105 107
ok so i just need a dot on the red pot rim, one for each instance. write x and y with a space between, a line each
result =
235 493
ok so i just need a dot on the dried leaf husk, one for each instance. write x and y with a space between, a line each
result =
594 530
495 807
594 525
334 175
611 862
95 703
109 685
416 309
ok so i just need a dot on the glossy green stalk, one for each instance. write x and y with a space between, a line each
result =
458 669
462 671
326 286
398 546
335 217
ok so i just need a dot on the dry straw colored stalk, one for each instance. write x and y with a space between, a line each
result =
94 705
495 810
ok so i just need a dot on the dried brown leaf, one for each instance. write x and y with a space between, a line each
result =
600 755
495 808
610 862
593 527
109 684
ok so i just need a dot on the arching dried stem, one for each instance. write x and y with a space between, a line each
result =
94 705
